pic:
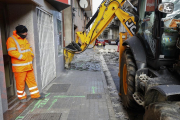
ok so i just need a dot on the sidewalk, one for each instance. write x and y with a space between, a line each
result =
81 93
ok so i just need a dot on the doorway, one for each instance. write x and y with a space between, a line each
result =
7 60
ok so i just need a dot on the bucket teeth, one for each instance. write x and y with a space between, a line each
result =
76 46
73 47
70 47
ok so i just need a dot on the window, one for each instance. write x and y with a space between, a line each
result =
147 17
170 36
60 41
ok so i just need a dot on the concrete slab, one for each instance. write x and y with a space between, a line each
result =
114 47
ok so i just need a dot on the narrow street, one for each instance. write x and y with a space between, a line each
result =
89 60
87 91
83 92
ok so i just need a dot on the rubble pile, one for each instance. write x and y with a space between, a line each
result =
111 57
86 61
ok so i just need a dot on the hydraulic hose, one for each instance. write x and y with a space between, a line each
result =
92 19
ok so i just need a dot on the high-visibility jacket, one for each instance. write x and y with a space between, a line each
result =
21 53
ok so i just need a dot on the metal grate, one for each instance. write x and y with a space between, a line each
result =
43 116
94 96
59 88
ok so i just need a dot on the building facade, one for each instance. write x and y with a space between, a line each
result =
44 21
75 19
111 33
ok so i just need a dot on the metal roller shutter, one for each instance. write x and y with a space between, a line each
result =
46 46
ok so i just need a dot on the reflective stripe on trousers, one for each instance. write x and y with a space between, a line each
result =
20 96
37 91
33 88
19 91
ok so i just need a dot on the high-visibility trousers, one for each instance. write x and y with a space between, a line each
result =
29 78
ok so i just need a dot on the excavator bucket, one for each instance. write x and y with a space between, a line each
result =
69 52
75 47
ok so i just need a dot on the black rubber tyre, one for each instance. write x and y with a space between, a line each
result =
163 111
127 98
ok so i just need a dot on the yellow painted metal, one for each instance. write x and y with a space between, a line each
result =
125 86
105 16
123 37
68 56
125 17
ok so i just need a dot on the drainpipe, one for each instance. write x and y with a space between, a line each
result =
72 5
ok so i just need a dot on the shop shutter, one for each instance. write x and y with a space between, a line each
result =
46 46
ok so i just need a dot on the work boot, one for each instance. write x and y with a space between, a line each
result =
40 98
76 46
23 101
71 48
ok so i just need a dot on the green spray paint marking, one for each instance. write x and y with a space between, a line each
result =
52 103
93 90
35 105
43 103
48 94
68 96
19 117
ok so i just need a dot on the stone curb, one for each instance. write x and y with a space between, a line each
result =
119 111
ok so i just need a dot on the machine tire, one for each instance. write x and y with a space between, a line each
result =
163 111
127 86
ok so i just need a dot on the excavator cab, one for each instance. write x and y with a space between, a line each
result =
158 32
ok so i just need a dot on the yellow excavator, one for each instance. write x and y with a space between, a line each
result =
149 61
104 15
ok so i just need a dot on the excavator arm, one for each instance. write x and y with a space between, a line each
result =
107 11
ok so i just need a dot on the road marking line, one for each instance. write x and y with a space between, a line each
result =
35 105
48 94
52 104
19 117
93 88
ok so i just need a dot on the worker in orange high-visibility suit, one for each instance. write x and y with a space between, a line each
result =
21 57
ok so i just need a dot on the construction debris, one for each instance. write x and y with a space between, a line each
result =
86 61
